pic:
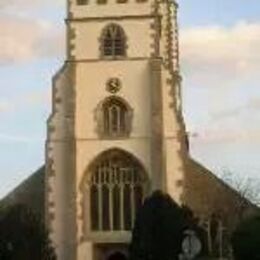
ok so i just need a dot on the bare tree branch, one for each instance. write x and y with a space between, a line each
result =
247 187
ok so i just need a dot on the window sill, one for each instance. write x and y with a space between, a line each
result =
109 236
119 57
119 137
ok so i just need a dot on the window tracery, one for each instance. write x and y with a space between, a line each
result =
115 118
117 188
217 236
82 2
113 42
101 2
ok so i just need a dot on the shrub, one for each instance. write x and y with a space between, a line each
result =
246 240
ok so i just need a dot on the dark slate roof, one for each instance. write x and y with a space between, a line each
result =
207 194
203 188
30 192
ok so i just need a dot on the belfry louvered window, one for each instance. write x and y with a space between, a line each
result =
117 190
82 2
115 117
113 41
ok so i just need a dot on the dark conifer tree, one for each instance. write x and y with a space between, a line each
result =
23 236
246 240
158 230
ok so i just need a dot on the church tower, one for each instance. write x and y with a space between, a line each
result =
116 131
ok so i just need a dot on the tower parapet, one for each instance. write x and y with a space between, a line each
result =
101 9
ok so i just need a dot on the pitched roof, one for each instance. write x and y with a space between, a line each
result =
30 192
204 192
207 194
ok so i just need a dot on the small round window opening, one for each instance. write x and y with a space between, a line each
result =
113 85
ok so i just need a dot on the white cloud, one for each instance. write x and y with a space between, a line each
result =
226 62
14 138
215 55
29 3
5 106
252 106
24 40
226 135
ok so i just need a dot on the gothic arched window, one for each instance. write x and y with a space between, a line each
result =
217 236
113 41
115 117
82 2
117 185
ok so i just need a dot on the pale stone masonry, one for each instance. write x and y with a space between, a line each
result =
116 132
136 43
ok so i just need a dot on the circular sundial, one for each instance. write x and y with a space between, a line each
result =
113 85
191 245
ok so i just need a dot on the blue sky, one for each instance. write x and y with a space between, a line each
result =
220 62
193 13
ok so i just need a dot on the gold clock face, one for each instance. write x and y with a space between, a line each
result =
113 85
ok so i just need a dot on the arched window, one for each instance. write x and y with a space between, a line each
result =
82 2
217 236
115 118
113 41
117 184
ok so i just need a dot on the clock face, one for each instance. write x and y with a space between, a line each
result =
113 85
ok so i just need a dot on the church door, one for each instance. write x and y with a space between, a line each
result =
117 256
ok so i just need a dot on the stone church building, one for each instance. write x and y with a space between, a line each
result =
116 133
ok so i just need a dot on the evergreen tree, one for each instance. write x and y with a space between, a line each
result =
158 230
246 240
23 236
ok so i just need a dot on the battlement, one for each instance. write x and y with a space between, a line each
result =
108 8
103 2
